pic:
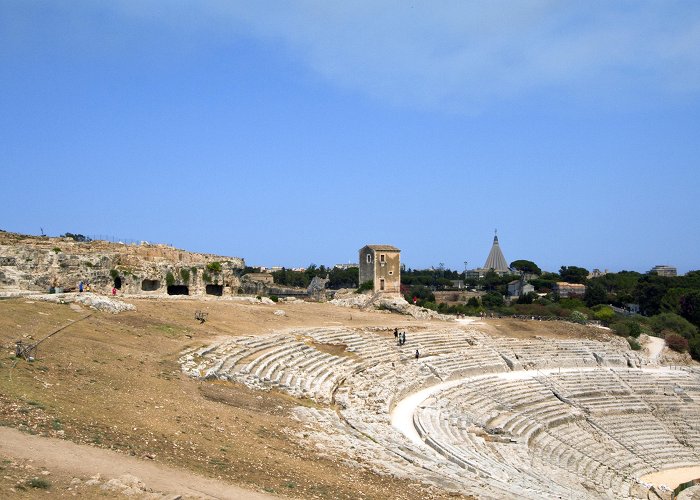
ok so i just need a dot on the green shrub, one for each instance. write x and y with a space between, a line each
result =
605 315
367 285
420 292
206 277
572 304
627 328
635 329
473 302
634 344
214 267
40 483
274 298
671 321
185 275
169 279
578 317
114 273
694 347
56 250
492 300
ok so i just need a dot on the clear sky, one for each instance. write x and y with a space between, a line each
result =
290 133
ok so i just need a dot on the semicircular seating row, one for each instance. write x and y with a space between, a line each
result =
593 430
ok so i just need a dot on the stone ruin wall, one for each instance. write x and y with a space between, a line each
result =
30 263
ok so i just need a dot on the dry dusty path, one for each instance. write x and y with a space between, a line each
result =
86 461
655 346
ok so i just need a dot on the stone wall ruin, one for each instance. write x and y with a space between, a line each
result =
39 264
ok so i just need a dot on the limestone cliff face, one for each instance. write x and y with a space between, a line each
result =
40 263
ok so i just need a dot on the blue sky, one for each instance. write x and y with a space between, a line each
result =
290 133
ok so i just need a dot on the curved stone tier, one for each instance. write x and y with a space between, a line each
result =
496 418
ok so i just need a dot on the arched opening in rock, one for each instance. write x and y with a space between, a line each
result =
150 285
178 290
215 290
118 283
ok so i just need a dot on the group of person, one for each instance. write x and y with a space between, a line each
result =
85 287
401 340
399 336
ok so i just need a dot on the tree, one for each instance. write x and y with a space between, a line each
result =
573 274
545 283
526 266
595 293
492 300
527 298
650 291
490 280
671 301
690 306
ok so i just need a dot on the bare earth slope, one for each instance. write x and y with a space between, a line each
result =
113 382
88 461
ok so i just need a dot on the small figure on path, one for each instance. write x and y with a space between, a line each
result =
396 333
114 291
417 354
80 287
403 338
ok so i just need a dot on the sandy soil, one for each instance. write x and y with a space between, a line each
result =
655 345
672 477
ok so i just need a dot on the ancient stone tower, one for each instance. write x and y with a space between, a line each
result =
382 265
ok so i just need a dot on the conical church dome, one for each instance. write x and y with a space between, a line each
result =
496 260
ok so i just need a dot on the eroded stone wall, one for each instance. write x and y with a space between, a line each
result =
42 263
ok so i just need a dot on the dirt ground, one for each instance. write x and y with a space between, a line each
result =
113 382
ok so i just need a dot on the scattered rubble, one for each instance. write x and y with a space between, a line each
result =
91 300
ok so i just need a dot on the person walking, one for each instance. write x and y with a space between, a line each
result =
417 354
114 291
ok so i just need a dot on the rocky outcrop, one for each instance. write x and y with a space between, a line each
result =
91 300
387 302
317 288
41 264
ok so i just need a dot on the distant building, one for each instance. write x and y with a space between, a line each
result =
382 265
495 261
664 271
458 284
260 277
345 267
569 290
517 288
597 273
